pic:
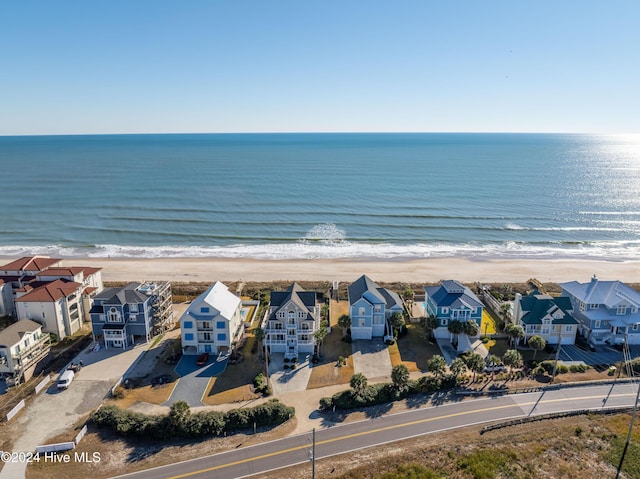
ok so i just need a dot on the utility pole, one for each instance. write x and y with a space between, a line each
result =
555 364
626 444
312 454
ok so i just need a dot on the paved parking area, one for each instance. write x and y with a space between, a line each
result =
371 358
603 356
194 379
288 380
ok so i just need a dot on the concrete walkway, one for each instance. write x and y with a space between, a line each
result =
371 358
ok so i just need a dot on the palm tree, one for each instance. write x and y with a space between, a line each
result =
437 365
344 322
475 363
492 361
259 334
358 384
457 367
505 311
536 343
515 332
319 336
470 328
400 377
396 321
513 359
431 323
455 327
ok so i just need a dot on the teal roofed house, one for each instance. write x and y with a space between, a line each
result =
548 317
608 311
452 301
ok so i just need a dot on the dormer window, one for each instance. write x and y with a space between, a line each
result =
622 309
113 315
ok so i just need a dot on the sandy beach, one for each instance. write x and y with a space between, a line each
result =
410 270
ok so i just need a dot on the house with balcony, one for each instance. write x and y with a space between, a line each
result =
120 316
370 306
89 278
18 274
546 316
57 306
213 322
294 317
450 301
607 311
22 346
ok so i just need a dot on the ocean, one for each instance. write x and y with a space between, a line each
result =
345 195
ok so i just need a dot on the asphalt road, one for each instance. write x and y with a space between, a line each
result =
334 440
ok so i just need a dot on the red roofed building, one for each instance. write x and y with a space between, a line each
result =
17 274
57 305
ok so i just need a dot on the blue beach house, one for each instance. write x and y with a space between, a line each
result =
370 306
606 310
452 301
139 310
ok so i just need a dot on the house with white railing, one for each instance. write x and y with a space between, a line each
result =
549 317
608 311
22 346
294 317
213 322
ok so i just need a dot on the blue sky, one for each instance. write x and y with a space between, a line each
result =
245 66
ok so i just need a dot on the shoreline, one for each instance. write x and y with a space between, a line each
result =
429 270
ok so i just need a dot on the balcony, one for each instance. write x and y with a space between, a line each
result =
34 353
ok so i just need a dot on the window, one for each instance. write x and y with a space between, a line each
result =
444 322
582 306
291 332
133 317
568 328
278 326
622 309
361 311
133 308
187 325
597 324
220 324
113 316
378 308
204 309
206 336
445 310
188 337
377 320
545 331
594 306
361 323
635 327
222 337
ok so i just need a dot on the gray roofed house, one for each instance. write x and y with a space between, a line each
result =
22 346
546 316
608 311
294 317
119 315
370 306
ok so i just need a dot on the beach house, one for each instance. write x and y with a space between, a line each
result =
119 316
16 275
607 311
294 317
89 278
548 317
370 306
213 322
452 301
22 346
57 305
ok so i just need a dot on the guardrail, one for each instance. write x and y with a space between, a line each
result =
15 410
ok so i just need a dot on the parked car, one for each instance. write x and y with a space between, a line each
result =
498 368
65 379
202 359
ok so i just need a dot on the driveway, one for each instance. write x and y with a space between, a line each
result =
602 358
288 380
371 358
194 379
54 412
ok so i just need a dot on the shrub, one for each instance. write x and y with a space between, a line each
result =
578 368
119 393
326 403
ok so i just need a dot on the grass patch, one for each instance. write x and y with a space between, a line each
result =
414 349
326 372
488 463
148 394
499 347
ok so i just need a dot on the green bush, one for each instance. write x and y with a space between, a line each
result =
181 423
326 403
578 368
